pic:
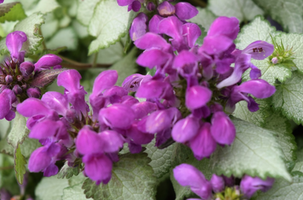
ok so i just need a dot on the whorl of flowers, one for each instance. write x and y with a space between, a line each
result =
187 100
17 76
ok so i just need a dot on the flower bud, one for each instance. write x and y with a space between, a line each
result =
250 185
19 77
165 9
33 92
17 89
274 60
217 183
26 68
150 6
8 79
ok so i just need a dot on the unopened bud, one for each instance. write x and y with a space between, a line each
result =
150 6
19 77
8 79
17 89
24 86
217 183
165 9
26 68
33 92
274 60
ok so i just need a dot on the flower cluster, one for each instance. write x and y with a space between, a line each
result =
196 83
17 75
68 131
189 176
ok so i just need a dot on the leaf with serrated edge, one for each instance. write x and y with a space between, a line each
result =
288 98
50 188
283 190
67 171
244 10
258 118
84 11
30 26
132 179
126 66
18 131
109 24
74 192
20 163
11 12
204 18
283 134
259 29
286 12
254 152
160 158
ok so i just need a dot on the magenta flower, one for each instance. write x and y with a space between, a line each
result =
250 185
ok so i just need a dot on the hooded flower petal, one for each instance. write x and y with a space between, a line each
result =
259 50
187 175
222 129
153 57
56 101
7 98
185 129
88 141
197 96
14 42
185 10
217 183
250 185
47 61
111 141
39 160
226 26
258 87
203 144
138 27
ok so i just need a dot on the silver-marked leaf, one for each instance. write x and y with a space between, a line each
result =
289 98
85 11
254 152
204 18
244 10
18 131
108 24
132 179
286 12
68 172
20 163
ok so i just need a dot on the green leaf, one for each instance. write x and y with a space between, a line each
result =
259 29
126 66
204 18
6 148
283 190
109 24
258 118
28 146
64 37
30 26
289 98
160 158
244 10
132 179
18 131
299 162
50 188
68 172
286 12
74 192
11 12
45 6
20 163
7 175
85 8
254 152
283 134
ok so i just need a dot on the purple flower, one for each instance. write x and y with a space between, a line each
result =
187 175
134 5
250 185
138 27
217 183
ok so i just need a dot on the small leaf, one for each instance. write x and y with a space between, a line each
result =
20 163
68 172
11 12
45 6
85 8
45 77
126 66
244 10
51 188
160 158
254 152
287 12
132 179
18 131
109 23
289 98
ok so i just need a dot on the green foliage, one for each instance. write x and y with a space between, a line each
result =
11 12
108 24
254 152
51 188
289 98
132 178
204 18
286 12
68 172
20 163
18 131
244 10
